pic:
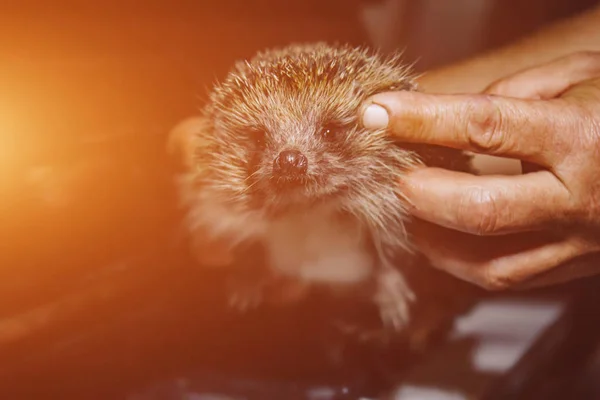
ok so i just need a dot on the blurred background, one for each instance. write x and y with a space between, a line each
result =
88 92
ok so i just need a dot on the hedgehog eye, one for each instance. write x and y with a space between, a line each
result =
257 136
331 132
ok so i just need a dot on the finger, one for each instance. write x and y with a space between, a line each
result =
549 80
486 205
581 266
513 128
514 261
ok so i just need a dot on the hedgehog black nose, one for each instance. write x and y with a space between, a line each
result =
290 163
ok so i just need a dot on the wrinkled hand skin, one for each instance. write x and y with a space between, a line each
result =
500 232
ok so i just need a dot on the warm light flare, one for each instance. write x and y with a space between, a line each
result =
13 145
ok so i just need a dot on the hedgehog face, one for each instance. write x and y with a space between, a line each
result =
294 152
286 131
298 159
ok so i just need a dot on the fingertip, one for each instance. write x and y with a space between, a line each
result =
414 189
375 116
379 109
431 194
411 116
407 185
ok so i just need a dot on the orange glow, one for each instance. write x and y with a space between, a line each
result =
88 94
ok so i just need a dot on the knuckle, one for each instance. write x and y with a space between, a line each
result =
594 133
584 143
590 139
478 212
485 129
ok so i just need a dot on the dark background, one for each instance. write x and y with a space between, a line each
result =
88 92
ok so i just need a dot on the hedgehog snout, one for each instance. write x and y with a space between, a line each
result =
290 164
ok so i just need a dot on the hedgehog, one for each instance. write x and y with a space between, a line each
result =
278 159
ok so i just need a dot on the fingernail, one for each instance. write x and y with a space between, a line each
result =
375 117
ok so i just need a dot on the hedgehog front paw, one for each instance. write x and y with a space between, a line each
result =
393 297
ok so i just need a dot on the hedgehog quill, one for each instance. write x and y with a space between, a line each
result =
280 159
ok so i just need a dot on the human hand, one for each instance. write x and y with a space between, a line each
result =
543 221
